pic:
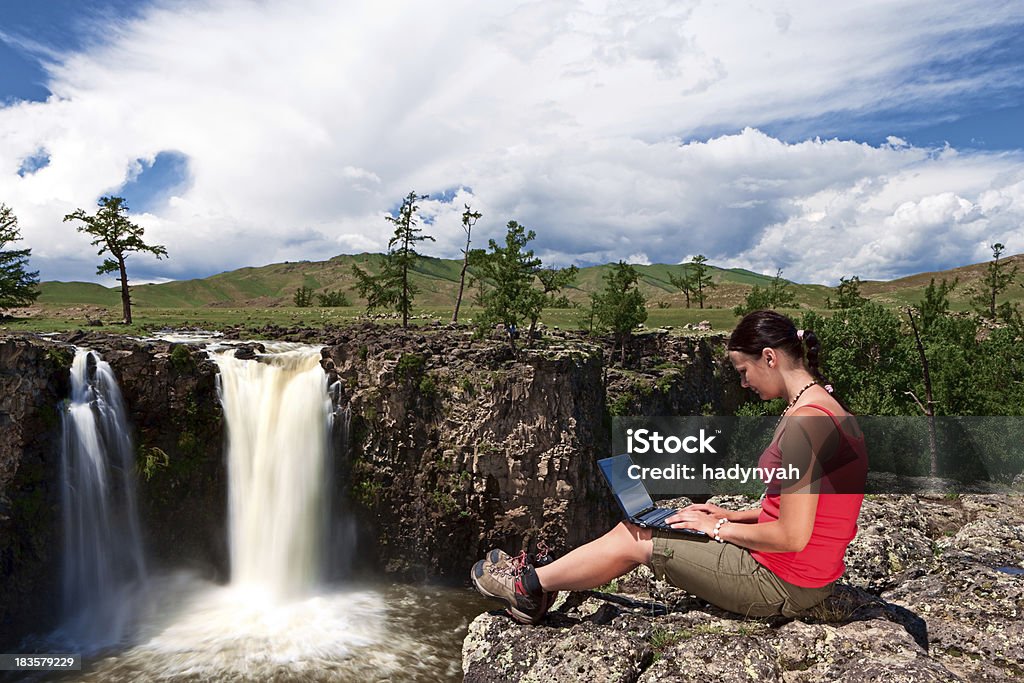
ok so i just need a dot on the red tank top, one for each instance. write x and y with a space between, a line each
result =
835 519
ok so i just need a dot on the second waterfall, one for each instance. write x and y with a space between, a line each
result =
278 417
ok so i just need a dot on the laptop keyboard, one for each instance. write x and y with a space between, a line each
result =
657 517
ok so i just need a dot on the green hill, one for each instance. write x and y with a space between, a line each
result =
438 280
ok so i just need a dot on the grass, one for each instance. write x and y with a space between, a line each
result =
53 317
257 296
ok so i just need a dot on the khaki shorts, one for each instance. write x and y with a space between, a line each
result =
728 577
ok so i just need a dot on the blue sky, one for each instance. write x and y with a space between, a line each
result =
877 140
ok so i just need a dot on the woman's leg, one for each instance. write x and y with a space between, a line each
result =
600 561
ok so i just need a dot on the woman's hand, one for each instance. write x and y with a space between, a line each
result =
711 509
691 518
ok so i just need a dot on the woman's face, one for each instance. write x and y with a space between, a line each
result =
755 374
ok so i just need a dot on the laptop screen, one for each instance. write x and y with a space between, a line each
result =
631 493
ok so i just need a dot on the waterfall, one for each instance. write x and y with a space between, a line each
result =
103 560
279 618
278 417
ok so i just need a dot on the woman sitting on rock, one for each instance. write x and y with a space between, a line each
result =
782 558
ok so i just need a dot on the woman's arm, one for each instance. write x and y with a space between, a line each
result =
789 534
809 439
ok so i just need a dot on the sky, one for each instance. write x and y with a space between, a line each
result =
877 139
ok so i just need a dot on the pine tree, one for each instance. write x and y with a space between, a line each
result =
999 275
620 307
505 276
700 276
392 288
17 283
775 295
847 294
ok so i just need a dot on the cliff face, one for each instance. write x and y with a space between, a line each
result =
171 398
446 446
33 380
456 448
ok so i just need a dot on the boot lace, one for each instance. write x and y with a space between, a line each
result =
513 567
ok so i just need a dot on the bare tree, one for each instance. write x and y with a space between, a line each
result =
469 219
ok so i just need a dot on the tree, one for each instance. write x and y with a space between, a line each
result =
847 294
469 219
935 303
552 280
391 288
620 307
775 295
303 297
866 358
700 276
505 277
587 319
684 284
998 277
928 407
117 236
17 284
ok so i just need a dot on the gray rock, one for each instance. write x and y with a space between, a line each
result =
925 601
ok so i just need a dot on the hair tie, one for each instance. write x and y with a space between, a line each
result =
800 335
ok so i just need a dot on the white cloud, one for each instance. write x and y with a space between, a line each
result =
304 122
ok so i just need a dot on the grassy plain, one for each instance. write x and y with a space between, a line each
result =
259 296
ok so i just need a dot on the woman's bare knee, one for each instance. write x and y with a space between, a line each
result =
635 540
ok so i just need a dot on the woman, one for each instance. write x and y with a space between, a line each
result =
780 559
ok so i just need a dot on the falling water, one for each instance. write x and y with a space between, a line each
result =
278 416
103 560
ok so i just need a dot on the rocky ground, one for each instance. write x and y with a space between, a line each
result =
934 591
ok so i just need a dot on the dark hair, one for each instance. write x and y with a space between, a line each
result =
770 329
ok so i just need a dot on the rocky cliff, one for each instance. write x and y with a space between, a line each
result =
934 591
456 447
171 398
33 380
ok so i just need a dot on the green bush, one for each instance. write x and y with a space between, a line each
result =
335 299
410 365
427 387
181 359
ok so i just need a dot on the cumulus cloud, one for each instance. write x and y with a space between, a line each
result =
302 123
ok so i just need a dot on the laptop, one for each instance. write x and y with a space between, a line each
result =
634 500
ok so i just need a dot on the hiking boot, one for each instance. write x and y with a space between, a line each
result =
503 580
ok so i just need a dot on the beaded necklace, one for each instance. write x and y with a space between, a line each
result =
793 402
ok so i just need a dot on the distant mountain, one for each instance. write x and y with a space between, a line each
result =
438 280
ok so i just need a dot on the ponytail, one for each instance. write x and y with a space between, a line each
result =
812 351
812 356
